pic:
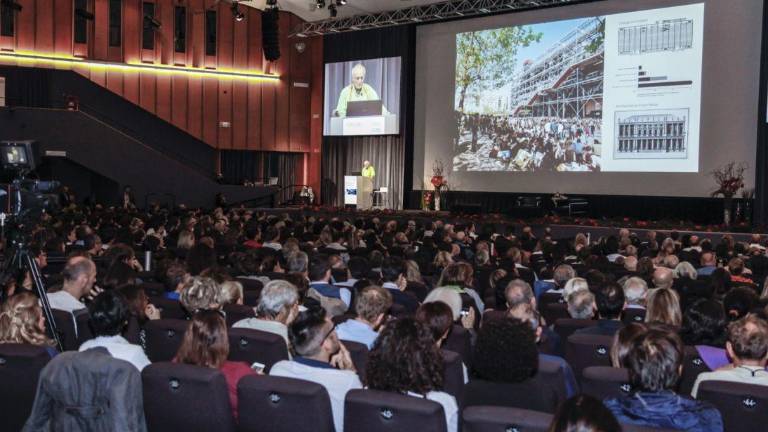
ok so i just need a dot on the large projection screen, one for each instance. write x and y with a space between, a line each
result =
614 97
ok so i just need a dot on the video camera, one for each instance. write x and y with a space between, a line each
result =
26 197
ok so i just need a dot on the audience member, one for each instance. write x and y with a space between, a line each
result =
581 305
704 326
22 322
664 307
623 340
584 413
505 351
610 302
371 306
393 275
200 293
278 307
79 278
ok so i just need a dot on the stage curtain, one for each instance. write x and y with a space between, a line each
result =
345 155
761 160
391 156
237 166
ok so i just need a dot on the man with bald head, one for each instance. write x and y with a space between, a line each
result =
708 264
79 277
663 278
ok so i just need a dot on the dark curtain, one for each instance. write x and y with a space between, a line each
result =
345 155
392 155
761 162
29 87
238 166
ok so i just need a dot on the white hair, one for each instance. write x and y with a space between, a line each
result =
276 296
573 285
635 290
448 296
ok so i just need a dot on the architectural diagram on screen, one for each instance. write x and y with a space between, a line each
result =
657 134
666 35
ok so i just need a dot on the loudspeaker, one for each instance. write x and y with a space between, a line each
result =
270 34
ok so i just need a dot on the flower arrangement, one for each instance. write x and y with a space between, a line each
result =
729 179
438 181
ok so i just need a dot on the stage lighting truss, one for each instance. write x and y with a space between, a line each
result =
417 14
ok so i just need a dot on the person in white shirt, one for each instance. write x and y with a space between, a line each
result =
79 277
371 306
405 359
321 358
747 346
277 308
108 317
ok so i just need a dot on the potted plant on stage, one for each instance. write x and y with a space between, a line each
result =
438 182
729 179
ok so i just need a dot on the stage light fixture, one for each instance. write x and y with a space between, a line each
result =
320 4
82 13
11 4
341 2
152 22
236 13
271 3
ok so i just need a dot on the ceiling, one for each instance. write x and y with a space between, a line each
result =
306 9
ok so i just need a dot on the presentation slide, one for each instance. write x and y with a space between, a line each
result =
362 97
615 97
591 94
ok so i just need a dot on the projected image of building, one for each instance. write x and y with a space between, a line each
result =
651 133
566 81
667 35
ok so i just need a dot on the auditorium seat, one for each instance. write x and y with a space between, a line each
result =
270 404
584 350
378 411
453 376
565 327
358 352
180 397
633 315
249 345
250 284
153 289
603 382
20 366
169 309
459 341
552 375
693 365
533 394
236 312
83 323
744 407
504 419
554 312
164 338
65 327
251 298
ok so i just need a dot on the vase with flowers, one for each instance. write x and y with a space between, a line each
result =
729 179
439 183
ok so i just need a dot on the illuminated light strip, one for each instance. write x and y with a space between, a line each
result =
136 67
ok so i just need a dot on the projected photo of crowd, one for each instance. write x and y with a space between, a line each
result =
529 98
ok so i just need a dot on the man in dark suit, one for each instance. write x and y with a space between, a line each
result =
610 303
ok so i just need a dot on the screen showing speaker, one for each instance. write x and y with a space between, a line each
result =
615 97
362 97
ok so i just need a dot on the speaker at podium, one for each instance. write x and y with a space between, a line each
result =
358 191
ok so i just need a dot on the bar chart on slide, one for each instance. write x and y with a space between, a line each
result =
646 79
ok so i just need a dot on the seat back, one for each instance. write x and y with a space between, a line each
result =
548 298
552 374
359 354
164 338
83 323
565 327
378 411
270 404
459 341
186 398
633 315
503 419
20 366
236 312
249 345
169 309
584 350
65 326
743 406
604 382
555 311
693 365
453 376
533 394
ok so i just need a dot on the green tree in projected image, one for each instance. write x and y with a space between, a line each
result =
486 59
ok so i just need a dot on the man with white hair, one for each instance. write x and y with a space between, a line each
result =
635 293
358 90
663 278
278 307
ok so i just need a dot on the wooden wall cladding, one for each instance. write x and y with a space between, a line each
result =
226 114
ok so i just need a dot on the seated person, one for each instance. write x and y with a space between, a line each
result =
583 413
747 345
79 278
581 305
277 308
655 362
334 299
200 293
371 306
406 360
206 344
610 303
176 276
320 357
108 318
704 327
393 275
230 293
22 322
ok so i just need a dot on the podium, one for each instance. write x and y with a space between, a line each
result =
358 191
365 125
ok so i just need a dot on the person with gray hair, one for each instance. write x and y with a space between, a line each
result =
663 278
278 307
517 292
298 262
563 273
581 305
635 292
685 270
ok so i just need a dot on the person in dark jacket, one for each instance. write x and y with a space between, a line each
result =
654 362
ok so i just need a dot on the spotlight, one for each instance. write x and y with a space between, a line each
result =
82 13
152 22
11 4
332 10
236 13
320 4
271 3
341 2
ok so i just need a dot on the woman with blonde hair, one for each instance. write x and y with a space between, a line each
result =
442 260
664 307
22 322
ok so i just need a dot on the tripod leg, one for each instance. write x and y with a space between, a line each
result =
37 279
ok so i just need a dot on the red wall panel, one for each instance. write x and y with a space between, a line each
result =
147 91
195 107
62 31
163 97
210 110
25 23
44 26
179 98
